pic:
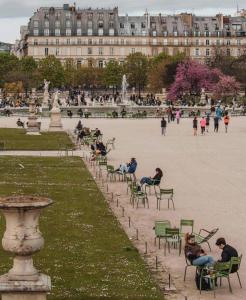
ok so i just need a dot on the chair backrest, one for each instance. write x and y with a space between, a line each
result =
172 232
161 227
210 234
166 191
186 223
110 168
235 261
222 267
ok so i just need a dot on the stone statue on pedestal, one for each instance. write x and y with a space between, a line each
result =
33 127
55 115
46 93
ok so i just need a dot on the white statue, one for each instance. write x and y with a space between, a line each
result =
124 88
56 99
46 85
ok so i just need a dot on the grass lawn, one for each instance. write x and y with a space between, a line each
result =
86 253
16 139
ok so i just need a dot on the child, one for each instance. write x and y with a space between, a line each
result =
226 121
203 125
195 126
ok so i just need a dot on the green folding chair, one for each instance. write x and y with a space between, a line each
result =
160 230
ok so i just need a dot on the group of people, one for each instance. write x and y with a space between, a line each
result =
205 123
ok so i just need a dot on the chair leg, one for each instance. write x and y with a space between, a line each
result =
239 280
159 243
185 272
209 246
229 282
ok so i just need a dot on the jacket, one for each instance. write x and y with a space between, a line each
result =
226 255
192 251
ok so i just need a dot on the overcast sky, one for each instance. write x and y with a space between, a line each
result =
14 13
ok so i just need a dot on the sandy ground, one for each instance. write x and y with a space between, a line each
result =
208 176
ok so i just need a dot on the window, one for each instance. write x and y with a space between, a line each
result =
100 41
46 42
111 31
35 23
111 51
101 16
68 32
79 63
238 52
197 52
68 41
238 42
217 33
154 42
228 52
153 25
57 41
217 42
89 51
175 33
90 42
57 23
185 33
35 42
132 25
46 51
111 24
122 25
46 24
186 42
68 23
46 32
35 32
68 14
90 15
100 64
143 25
79 42
165 41
100 31
197 33
57 32
100 51
206 33
122 42
133 50
57 51
89 31
165 33
144 33
175 42
207 52
78 23
154 33
100 24
197 42
89 24
207 42
228 42
79 32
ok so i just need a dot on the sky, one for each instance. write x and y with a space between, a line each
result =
14 13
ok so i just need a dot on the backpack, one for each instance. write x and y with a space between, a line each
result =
205 284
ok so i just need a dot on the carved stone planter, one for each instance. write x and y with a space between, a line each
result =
23 238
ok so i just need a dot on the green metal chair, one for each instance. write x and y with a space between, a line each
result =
138 196
173 237
110 172
204 238
186 223
102 164
164 194
160 230
155 184
236 261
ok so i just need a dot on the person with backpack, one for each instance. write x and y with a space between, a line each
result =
163 126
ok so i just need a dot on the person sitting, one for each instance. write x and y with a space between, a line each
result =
20 123
227 253
128 167
101 149
115 114
80 112
195 254
153 180
69 113
97 133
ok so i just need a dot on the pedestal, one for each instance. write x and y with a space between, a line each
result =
55 120
46 99
33 126
25 290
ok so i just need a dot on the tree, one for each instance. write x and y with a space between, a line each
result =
136 68
112 74
226 86
191 77
70 73
8 62
50 68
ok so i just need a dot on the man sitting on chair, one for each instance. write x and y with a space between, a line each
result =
227 253
128 167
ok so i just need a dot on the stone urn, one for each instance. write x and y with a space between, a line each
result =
22 236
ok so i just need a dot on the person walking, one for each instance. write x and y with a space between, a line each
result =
163 126
216 124
195 125
226 121
203 125
207 122
178 114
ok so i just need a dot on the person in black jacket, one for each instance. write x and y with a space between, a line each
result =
163 126
227 253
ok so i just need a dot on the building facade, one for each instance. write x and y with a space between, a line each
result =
5 47
96 36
